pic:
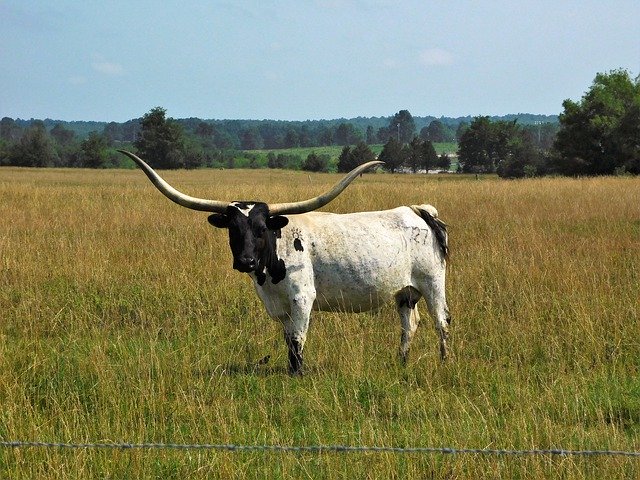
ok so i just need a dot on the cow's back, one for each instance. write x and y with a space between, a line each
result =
355 262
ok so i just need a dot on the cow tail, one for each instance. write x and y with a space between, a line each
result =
430 215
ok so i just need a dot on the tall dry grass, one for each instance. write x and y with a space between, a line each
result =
122 320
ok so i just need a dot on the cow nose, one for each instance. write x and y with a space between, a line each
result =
248 262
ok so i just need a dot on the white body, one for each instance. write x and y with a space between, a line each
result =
358 262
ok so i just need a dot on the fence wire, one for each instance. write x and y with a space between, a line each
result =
316 449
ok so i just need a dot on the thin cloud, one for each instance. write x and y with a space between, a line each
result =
435 56
77 80
105 67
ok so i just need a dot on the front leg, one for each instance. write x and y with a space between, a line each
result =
296 326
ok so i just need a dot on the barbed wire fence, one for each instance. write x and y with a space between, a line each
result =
317 449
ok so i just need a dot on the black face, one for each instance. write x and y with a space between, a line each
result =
252 238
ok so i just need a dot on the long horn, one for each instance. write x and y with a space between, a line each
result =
174 195
321 200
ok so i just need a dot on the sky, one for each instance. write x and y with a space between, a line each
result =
305 59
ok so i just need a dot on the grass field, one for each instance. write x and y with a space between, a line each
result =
122 321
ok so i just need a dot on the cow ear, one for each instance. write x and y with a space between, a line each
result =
219 220
277 222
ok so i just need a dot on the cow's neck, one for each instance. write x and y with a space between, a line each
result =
269 264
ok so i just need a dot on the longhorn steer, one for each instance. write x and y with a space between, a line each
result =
333 262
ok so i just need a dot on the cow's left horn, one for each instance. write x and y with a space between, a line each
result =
321 200
171 193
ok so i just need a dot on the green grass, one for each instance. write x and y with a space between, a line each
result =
122 320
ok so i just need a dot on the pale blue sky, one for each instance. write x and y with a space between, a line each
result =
296 60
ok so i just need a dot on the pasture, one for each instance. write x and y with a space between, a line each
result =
121 320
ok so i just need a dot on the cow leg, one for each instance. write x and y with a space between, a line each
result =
434 294
406 301
295 332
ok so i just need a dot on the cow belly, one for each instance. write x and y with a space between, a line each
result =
358 288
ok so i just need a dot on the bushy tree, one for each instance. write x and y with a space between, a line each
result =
402 126
35 149
345 161
94 151
444 161
599 134
437 132
316 163
414 156
161 140
360 154
392 155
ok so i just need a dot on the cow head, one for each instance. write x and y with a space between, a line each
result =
253 226
252 238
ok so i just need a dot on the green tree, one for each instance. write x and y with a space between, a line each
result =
35 149
438 132
94 151
429 156
599 134
62 135
392 155
347 134
161 140
444 161
414 157
360 154
476 147
402 126
370 136
345 160
9 130
316 163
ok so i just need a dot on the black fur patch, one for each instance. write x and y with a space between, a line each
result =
297 244
439 229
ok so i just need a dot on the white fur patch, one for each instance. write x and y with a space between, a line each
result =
244 208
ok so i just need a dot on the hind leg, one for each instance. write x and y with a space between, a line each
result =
409 317
434 295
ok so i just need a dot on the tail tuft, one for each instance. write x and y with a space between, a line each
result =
430 215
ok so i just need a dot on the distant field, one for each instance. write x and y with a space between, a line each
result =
333 152
122 320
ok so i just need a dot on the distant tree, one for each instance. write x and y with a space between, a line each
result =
414 157
35 149
477 147
462 127
112 132
161 140
370 136
360 154
347 134
94 151
316 163
291 139
272 161
599 134
62 135
522 157
251 139
325 136
403 126
9 130
392 155
437 132
429 156
344 160
444 161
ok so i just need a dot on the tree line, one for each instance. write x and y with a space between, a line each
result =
594 136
